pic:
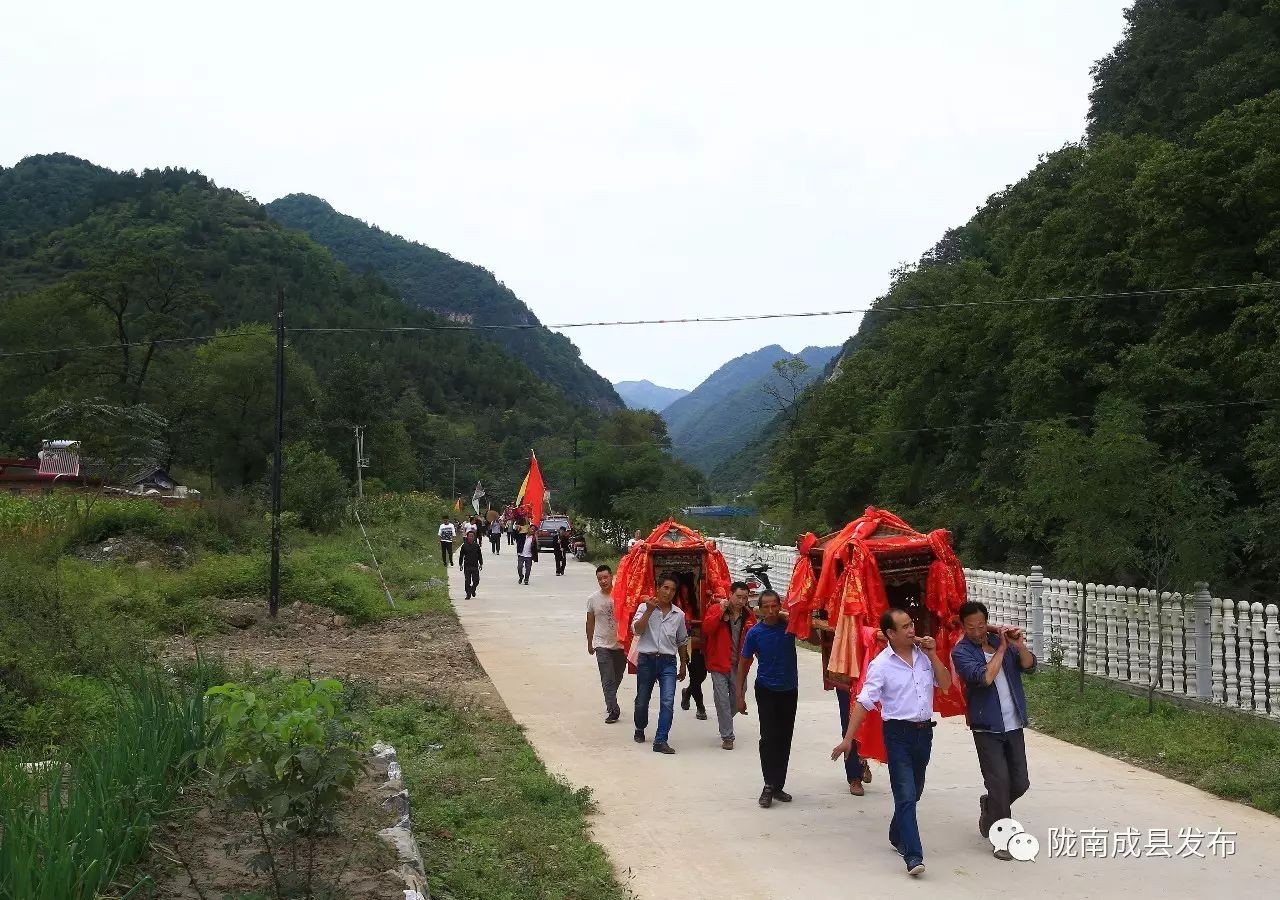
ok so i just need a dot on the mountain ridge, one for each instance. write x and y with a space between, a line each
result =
644 394
432 279
730 408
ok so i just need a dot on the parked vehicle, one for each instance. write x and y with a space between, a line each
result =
549 528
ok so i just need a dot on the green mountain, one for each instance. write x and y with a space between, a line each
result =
433 280
732 407
645 394
147 266
1122 436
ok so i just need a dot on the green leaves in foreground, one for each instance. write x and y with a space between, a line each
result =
68 827
287 753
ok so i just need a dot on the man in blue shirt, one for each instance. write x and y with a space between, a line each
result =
776 693
990 662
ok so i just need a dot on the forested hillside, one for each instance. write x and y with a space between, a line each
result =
733 406
1118 435
140 263
433 280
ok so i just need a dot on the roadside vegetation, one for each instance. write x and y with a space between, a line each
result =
1231 755
114 754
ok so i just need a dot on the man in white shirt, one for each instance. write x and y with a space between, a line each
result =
603 643
635 540
901 679
660 635
526 556
446 533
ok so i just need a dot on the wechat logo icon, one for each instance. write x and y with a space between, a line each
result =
1009 835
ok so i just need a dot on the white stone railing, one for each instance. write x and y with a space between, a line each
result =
1213 649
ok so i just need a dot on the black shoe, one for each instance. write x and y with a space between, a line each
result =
639 736
684 699
915 870
613 717
781 796
766 797
663 748
702 714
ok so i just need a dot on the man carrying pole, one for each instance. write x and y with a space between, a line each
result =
661 635
902 679
777 693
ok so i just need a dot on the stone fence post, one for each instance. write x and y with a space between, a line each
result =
1035 594
1203 604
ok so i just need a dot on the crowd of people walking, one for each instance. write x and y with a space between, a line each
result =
899 683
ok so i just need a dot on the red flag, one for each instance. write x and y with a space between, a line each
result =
535 490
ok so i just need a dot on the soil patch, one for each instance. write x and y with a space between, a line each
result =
422 656
132 548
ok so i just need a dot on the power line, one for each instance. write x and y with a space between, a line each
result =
756 317
1156 293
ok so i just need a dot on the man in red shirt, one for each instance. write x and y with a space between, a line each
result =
724 628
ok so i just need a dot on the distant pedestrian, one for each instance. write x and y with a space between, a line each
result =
777 692
511 529
470 561
603 643
661 637
447 533
561 549
724 628
991 661
526 554
902 679
495 537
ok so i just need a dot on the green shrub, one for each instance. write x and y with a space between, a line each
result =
313 488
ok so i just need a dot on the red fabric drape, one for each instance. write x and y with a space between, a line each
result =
857 590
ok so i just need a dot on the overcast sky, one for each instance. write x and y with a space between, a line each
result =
604 161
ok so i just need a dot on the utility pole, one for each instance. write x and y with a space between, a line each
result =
361 462
453 487
278 457
575 458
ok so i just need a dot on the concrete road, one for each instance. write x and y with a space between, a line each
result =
687 826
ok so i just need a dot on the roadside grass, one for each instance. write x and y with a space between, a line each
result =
67 624
69 827
492 823
1231 755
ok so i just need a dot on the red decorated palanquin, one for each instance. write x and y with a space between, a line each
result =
671 547
844 581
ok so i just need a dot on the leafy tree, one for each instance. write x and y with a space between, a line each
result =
312 488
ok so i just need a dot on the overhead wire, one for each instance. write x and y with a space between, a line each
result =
1154 293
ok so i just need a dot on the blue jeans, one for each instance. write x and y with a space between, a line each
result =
852 761
908 751
651 667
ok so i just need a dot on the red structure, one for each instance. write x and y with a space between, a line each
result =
843 582
685 553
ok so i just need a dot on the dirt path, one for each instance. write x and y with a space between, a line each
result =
716 843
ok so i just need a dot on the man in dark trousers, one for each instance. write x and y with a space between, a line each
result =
777 690
446 532
901 679
561 549
990 662
471 561
526 553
